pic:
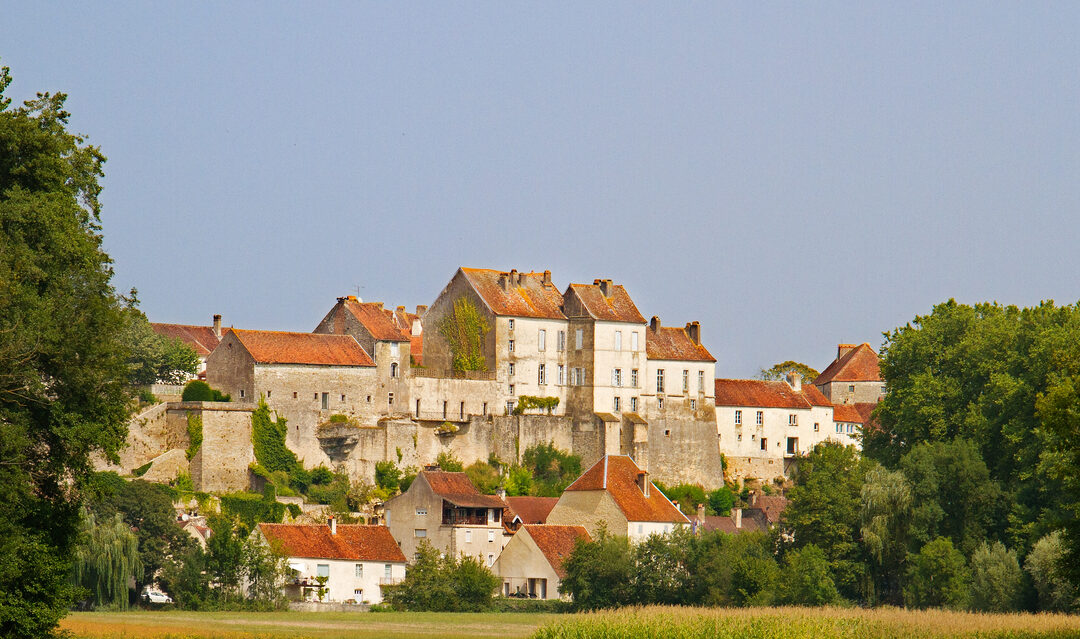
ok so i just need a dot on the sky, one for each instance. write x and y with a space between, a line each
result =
791 175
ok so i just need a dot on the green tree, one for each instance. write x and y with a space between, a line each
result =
885 516
464 329
1046 565
106 560
721 501
447 462
64 366
599 573
387 475
824 509
659 575
937 577
443 584
155 358
552 469
688 497
731 570
185 578
268 441
780 371
519 481
484 477
805 579
224 558
996 579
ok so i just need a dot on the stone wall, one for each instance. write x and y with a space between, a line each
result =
222 462
684 450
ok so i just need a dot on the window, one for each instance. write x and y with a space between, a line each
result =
510 324
420 533
660 403
793 419
882 389
839 428
421 512
388 571
659 380
764 445
615 404
509 407
294 395
461 411
633 375
579 337
484 410
358 594
359 571
491 536
851 388
685 381
850 428
393 369
510 345
577 376
561 341
633 341
562 374
491 559
242 395
693 404
510 369
541 374
394 349
322 570
343 397
739 437
389 399
541 340
618 340
325 400
268 394
369 399
759 418
444 408
793 445
418 408
701 381
633 404
738 417
816 427
316 396
616 377
640 529
511 389
468 536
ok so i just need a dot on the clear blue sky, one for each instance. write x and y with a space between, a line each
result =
791 175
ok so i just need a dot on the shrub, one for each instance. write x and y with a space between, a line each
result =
484 477
599 573
199 391
1045 563
251 508
195 435
937 577
722 500
338 419
805 579
146 397
437 583
688 496
141 470
528 402
449 463
387 475
268 441
321 476
996 579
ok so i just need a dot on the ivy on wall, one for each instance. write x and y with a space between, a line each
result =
195 434
464 330
527 402
268 441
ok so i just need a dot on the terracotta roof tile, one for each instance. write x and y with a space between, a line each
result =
416 349
278 347
531 510
617 474
457 489
726 523
846 413
771 505
766 394
201 338
377 320
673 343
528 297
860 364
617 308
556 542
352 542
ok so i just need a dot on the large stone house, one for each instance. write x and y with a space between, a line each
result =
449 512
853 377
357 561
619 495
203 339
531 565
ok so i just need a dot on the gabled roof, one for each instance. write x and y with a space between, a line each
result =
853 413
673 343
201 338
556 543
531 510
352 542
771 505
617 308
857 364
529 296
378 321
457 489
617 474
757 393
279 347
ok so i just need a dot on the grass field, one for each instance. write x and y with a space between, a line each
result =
652 623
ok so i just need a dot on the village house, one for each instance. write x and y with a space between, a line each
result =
617 494
203 339
761 515
851 420
356 561
853 377
531 565
527 510
413 325
447 511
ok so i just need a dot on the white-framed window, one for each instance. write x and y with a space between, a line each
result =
659 380
850 428
560 342
491 536
839 428
701 381
395 349
759 418
421 512
616 377
562 374
509 407
541 374
615 404
793 419
468 536
577 376
510 324
541 340
579 338
618 340
491 560
420 533
511 389
738 417
510 345
685 381
633 376
388 571
633 341
633 404
322 570
693 404
510 369
359 571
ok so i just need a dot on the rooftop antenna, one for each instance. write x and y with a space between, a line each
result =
358 287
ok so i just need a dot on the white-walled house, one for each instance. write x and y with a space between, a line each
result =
357 560
531 565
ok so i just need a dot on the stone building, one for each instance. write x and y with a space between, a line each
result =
616 493
449 512
853 377
531 565
204 339
413 325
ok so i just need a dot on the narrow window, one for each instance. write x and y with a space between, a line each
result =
360 571
764 445
816 427
685 381
241 393
541 340
510 324
509 407
511 389
633 404
468 536
793 419
342 397
579 337
393 369
325 401
618 340
389 399
541 374
616 377
395 349
660 403
693 404
444 409
701 381
418 408
491 536
562 374
510 345
294 395
759 418
491 560
633 375
659 380
484 411
421 512
387 571
461 413
268 394
615 404
561 345
738 417
633 341
510 369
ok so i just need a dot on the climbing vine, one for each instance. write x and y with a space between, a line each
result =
268 440
464 330
194 433
527 402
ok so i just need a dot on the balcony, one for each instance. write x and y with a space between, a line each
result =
390 581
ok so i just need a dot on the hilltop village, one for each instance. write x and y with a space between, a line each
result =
498 363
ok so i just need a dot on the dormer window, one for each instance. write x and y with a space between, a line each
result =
643 482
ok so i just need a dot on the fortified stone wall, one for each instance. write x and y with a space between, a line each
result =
222 462
684 450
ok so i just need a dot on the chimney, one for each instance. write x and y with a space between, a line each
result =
351 298
605 287
500 492
547 278
421 309
217 326
844 349
333 524
400 309
643 482
503 280
515 279
417 327
701 512
738 517
794 380
693 329
654 323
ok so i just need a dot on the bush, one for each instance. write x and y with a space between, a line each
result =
338 419
449 463
996 579
199 391
387 476
446 584
722 500
599 572
1046 563
484 477
146 397
937 577
321 476
252 508
805 579
688 496
141 470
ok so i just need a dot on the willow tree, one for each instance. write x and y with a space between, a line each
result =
107 560
464 330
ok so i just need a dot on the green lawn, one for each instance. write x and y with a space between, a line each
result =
248 625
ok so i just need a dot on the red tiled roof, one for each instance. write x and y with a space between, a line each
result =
617 308
674 343
617 474
457 489
278 347
416 348
860 364
766 394
846 413
726 523
352 542
377 320
556 542
771 505
405 319
530 297
531 510
201 338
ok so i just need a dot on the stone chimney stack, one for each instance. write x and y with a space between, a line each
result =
605 287
654 323
701 512
547 278
421 309
504 280
844 349
693 329
217 326
333 524
515 277
738 518
794 380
